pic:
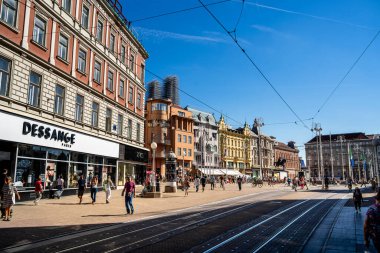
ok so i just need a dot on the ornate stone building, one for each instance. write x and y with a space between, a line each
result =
71 91
287 161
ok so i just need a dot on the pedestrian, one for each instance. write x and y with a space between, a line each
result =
107 187
186 186
94 188
196 183
203 182
373 184
60 186
364 182
239 181
8 192
295 183
222 182
372 224
289 180
3 176
212 182
130 193
358 199
326 183
81 188
38 190
349 184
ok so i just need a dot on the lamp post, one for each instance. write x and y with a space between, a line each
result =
258 123
318 129
153 146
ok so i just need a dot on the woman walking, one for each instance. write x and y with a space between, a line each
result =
186 186
38 190
94 188
8 192
107 186
197 182
358 199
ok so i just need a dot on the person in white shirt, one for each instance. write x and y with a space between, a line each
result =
107 186
197 182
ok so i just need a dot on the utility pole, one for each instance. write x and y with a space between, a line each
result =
341 150
331 160
318 129
258 123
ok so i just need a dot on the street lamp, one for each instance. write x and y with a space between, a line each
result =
153 146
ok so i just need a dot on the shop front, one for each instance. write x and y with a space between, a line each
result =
32 149
132 163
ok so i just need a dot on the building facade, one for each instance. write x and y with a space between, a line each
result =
206 146
171 127
343 155
72 90
287 161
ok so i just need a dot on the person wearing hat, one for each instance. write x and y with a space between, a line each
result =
372 224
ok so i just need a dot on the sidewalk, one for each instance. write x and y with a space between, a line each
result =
342 228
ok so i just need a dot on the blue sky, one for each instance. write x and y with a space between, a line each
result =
304 47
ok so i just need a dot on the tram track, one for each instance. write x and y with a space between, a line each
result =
112 232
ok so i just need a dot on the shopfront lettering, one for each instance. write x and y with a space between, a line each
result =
46 132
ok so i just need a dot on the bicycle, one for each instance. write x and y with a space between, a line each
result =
257 182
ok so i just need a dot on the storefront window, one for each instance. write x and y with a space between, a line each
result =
109 161
75 171
56 154
28 170
78 157
95 159
31 151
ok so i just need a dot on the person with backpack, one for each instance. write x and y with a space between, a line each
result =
372 224
7 192
38 190
358 199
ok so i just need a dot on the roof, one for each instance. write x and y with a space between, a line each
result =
283 146
346 136
202 117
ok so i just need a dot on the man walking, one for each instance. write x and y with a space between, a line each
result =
212 182
130 193
239 181
81 188
38 190
203 182
197 183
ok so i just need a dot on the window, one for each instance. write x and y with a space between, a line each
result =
66 5
59 99
130 95
184 139
110 80
5 70
139 100
9 12
94 114
138 129
120 124
97 72
190 139
39 30
99 31
79 108
122 54
181 114
142 73
85 15
179 138
112 43
179 151
129 128
132 62
63 47
121 88
34 89
189 152
184 152
108 119
82 61
159 107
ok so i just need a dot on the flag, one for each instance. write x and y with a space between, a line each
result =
352 159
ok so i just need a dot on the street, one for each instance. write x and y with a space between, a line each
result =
270 219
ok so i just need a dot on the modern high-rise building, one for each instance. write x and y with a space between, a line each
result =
343 155
71 93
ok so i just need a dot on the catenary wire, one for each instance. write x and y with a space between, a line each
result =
347 73
254 64
175 12
239 18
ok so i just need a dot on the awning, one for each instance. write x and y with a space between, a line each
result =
220 171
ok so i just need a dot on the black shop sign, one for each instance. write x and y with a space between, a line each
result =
40 131
133 154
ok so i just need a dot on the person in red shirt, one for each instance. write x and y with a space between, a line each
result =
130 193
38 190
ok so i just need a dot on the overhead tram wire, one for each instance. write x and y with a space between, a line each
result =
239 18
347 73
254 64
177 11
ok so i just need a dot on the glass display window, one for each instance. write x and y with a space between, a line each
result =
32 151
57 154
27 171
